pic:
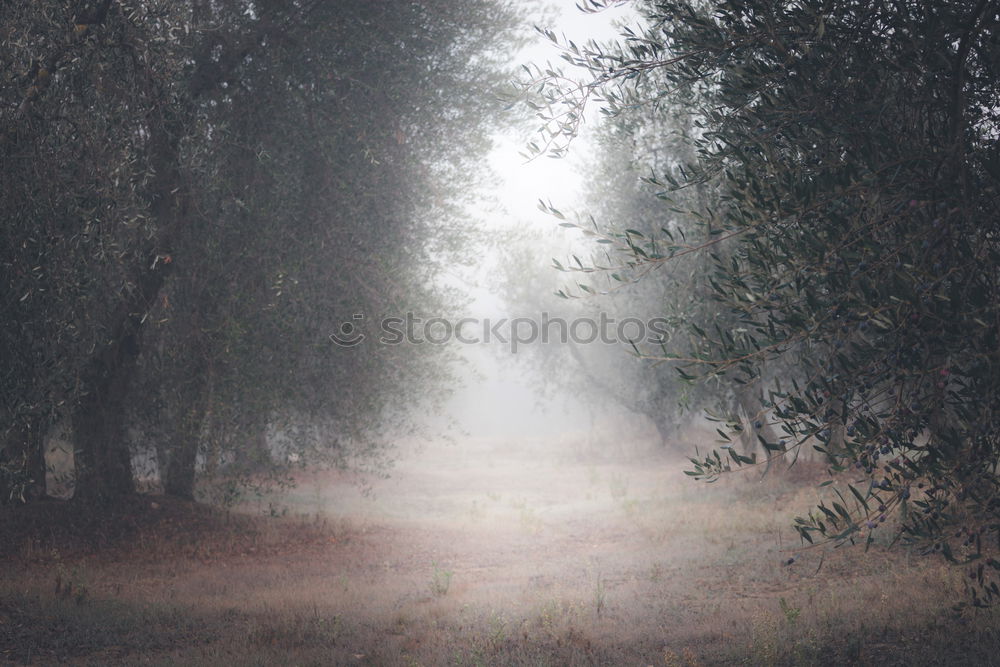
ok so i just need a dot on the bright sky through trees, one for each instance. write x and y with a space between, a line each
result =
499 380
523 183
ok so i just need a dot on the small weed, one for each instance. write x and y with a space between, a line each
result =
440 581
791 613
764 646
687 658
498 630
599 595
551 612
319 503
69 583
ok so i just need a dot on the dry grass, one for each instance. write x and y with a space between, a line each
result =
492 557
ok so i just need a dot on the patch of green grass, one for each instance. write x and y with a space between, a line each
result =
440 581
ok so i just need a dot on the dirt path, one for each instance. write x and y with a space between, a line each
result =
499 557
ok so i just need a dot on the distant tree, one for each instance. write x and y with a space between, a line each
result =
632 148
854 148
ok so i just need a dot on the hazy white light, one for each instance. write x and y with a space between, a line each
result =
557 181
523 183
503 400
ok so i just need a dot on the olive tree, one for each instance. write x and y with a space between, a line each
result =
204 192
854 150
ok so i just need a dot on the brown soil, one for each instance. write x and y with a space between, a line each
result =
482 555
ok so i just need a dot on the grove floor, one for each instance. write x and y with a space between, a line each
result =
488 555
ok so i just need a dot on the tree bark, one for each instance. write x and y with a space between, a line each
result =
24 456
665 427
103 465
103 462
753 410
98 419
183 457
838 430
254 453
186 435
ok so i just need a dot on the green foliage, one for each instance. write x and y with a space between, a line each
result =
790 613
851 242
440 581
198 195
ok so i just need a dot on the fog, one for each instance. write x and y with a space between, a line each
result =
337 337
500 394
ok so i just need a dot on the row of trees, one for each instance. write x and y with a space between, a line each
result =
835 170
196 195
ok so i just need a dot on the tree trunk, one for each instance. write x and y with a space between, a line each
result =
103 463
253 453
183 457
665 428
98 419
23 456
756 424
838 430
186 435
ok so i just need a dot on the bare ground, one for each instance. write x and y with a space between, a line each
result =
481 555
